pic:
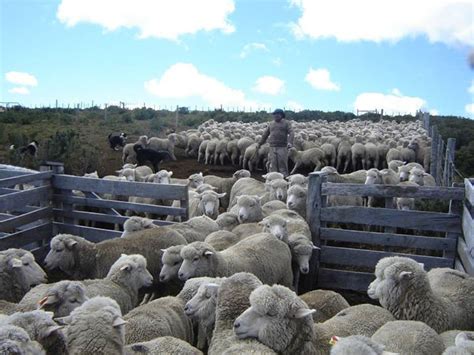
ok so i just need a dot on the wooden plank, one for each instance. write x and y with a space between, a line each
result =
432 221
19 239
438 192
120 188
458 265
369 258
121 205
389 239
100 217
17 221
468 227
313 208
93 195
92 234
469 190
344 280
12 181
455 208
22 198
6 173
466 255
434 151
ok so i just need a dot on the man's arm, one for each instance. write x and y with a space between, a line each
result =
265 135
291 134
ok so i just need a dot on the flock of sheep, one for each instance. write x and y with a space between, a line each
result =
224 281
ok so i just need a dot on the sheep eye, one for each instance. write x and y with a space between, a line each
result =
26 264
176 263
196 258
59 250
73 300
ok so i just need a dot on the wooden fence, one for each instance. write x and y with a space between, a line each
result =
348 256
61 203
465 250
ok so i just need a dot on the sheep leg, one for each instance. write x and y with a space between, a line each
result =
364 162
338 165
346 165
297 165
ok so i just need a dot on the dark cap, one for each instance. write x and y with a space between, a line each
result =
279 111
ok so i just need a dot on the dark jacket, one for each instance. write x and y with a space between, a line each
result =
279 134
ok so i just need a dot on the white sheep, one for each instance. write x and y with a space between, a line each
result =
200 259
278 190
163 144
135 224
296 200
162 345
297 179
248 209
463 344
326 303
420 177
15 340
272 206
227 221
222 239
224 185
138 174
313 157
404 170
172 261
245 186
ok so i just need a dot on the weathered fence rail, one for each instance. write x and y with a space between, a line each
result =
465 251
348 256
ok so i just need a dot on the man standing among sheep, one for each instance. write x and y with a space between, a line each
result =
280 137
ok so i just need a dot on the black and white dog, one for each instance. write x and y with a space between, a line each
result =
155 157
117 140
31 149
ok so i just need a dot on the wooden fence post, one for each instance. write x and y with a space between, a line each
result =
313 216
449 166
426 121
434 152
439 167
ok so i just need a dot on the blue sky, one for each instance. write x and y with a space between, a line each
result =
301 54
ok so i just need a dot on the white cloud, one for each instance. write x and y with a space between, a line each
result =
434 112
320 79
391 104
294 106
469 109
471 88
19 90
447 21
21 78
167 19
269 85
396 92
183 80
249 47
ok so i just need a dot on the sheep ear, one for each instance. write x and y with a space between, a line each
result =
264 176
221 195
170 173
126 267
303 312
200 173
140 348
119 171
50 330
422 265
51 299
208 253
163 250
212 286
63 320
404 275
15 263
118 322
70 243
122 255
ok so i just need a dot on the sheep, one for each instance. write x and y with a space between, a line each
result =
128 153
358 155
278 318
193 181
171 260
163 144
227 221
7 308
162 317
224 185
356 344
243 143
202 149
344 154
221 151
313 157
155 157
15 340
464 345
404 170
393 154
371 155
233 151
202 307
138 174
409 337
180 139
40 327
418 176
269 177
96 327
200 259
406 153
245 186
356 177
248 209
395 164
162 345
296 200
441 310
192 148
272 206
382 150
60 298
251 157
205 203
18 273
81 259
297 179
222 239
330 154
247 229
232 300
135 224
117 140
278 190
210 150
283 223
195 229
326 303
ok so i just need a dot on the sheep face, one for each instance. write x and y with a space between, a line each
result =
92 175
163 177
373 177
297 179
301 250
278 190
404 173
63 298
239 174
22 264
405 203
131 270
203 303
274 318
296 198
195 180
135 224
61 254
209 203
198 258
416 176
129 174
172 261
276 226
248 207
